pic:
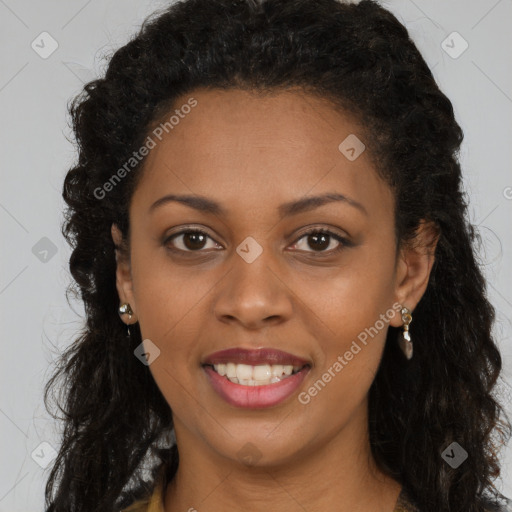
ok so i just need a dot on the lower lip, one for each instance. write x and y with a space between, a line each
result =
255 397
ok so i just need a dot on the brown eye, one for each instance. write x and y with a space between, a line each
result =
189 240
321 241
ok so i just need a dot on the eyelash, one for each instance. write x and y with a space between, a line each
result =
343 242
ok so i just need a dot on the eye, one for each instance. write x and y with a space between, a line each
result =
320 240
190 240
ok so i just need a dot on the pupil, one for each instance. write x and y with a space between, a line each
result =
316 237
195 238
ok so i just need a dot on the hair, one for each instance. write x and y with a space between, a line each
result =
117 424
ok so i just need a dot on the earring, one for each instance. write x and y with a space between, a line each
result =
125 309
405 340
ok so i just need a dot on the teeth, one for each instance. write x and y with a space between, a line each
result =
277 370
258 375
243 372
230 370
262 372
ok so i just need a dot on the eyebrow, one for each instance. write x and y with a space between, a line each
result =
205 205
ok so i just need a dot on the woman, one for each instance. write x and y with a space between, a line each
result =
283 305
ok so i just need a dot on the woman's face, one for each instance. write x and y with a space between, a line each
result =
256 280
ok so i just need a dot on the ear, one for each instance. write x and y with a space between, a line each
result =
124 283
414 265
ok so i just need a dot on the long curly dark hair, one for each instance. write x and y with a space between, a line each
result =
117 425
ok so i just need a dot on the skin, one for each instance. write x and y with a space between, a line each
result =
251 154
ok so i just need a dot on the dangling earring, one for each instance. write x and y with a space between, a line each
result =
405 339
125 309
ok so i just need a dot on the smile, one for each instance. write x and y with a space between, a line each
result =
260 375
255 378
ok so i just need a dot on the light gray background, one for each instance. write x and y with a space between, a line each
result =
36 320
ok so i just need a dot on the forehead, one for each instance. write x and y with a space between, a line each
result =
234 118
251 149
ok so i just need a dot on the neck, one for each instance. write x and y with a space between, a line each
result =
336 474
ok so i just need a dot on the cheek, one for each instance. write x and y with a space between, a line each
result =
167 296
348 359
356 305
179 391
170 316
169 307
352 298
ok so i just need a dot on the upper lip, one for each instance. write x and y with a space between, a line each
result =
254 357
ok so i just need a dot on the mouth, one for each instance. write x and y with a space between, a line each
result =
258 375
255 378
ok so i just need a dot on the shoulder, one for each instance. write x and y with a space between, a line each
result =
154 501
138 506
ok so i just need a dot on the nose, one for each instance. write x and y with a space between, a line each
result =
253 295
